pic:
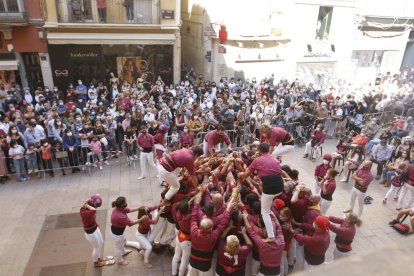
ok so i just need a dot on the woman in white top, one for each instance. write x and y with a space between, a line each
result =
355 159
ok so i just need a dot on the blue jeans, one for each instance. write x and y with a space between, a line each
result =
370 145
31 161
19 167
387 175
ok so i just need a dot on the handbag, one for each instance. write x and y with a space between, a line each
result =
104 141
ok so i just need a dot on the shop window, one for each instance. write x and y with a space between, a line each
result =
8 6
368 58
324 23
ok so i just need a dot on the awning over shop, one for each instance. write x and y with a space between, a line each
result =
99 38
8 65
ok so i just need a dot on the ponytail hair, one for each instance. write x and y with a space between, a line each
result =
120 202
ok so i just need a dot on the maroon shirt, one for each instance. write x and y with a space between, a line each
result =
367 178
299 208
145 226
183 221
184 158
88 219
345 232
317 244
321 170
266 165
227 261
213 139
205 241
119 218
276 136
159 138
270 252
319 136
186 139
330 189
145 141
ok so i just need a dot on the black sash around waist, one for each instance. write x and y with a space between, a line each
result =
117 230
272 184
269 270
313 259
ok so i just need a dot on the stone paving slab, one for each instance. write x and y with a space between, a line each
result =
26 205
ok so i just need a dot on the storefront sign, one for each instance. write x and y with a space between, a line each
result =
167 14
83 55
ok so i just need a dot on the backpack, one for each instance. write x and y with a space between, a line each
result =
401 228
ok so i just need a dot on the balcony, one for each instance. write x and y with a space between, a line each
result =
109 11
12 12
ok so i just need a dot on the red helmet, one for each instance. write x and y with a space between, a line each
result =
95 201
163 128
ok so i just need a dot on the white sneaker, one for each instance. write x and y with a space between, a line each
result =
343 180
107 163
94 165
141 177
135 157
87 164
100 167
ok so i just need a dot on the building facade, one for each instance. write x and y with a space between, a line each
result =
319 41
22 43
92 39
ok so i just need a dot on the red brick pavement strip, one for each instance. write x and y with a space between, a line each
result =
25 205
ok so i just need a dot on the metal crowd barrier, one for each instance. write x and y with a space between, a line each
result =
383 118
65 161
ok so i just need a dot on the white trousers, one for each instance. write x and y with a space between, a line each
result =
291 254
308 148
392 191
284 266
168 234
317 188
181 254
357 195
119 241
404 189
171 178
96 240
266 203
339 255
156 229
144 244
300 256
282 150
325 204
255 266
205 148
147 163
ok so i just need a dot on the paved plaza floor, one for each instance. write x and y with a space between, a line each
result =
26 205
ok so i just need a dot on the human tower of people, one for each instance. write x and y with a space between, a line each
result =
237 213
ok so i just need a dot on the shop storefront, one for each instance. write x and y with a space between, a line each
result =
9 73
92 63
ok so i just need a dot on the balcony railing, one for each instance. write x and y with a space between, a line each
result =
109 11
12 11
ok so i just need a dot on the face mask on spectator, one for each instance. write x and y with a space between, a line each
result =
78 119
69 133
326 162
186 130
195 117
45 144
14 131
